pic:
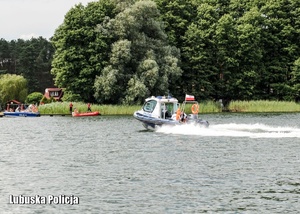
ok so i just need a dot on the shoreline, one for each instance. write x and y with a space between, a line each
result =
206 107
223 112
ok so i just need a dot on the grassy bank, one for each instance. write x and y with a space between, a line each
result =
63 108
263 106
205 107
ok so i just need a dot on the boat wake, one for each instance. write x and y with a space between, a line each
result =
234 130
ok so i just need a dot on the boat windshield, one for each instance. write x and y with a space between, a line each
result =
149 106
168 109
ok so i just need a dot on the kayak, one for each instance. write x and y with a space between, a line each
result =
85 114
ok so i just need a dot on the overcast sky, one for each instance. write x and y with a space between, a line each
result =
33 18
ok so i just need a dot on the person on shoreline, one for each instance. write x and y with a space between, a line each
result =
89 107
71 107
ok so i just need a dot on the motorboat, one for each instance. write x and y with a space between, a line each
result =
165 110
30 111
21 114
85 114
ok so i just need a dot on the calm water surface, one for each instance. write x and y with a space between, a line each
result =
244 163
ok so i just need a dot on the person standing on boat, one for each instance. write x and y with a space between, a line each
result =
183 117
89 107
71 107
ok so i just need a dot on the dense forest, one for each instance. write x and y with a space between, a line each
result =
121 51
30 59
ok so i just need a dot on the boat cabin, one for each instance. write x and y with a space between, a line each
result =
161 106
12 105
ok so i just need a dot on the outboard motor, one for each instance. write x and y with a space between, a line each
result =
192 117
203 123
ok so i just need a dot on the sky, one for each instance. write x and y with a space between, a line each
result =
24 19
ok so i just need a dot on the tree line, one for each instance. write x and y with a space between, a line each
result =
121 51
30 59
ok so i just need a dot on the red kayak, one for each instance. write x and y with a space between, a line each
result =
85 114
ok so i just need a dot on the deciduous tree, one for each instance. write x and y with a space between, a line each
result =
12 87
141 61
81 51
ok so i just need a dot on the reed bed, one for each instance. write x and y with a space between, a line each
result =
204 107
117 109
63 108
263 106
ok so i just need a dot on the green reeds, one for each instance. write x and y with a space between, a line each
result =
54 108
263 106
116 109
204 107
63 108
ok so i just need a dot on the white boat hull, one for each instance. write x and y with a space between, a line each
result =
152 122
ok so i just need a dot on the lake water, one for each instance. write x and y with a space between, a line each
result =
243 163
